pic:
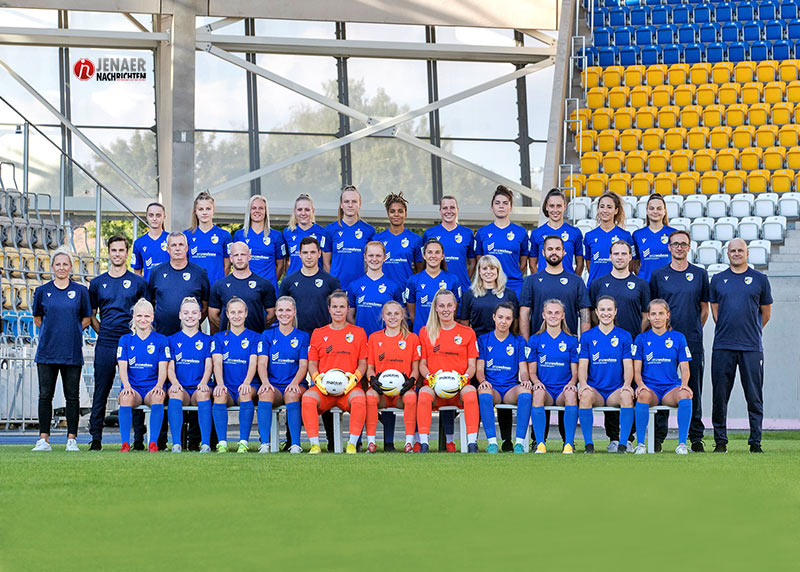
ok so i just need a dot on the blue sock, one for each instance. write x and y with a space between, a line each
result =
388 420
570 423
587 421
175 418
539 419
448 422
264 420
684 418
625 422
125 422
219 411
523 414
204 420
247 411
486 406
642 416
156 420
294 421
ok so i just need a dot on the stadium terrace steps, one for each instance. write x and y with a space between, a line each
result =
786 258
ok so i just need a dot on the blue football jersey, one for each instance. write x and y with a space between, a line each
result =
421 289
502 358
209 250
573 244
264 252
597 250
402 251
235 351
652 249
143 357
113 298
660 356
605 353
553 357
189 355
508 245
347 249
148 253
459 247
284 353
368 296
292 238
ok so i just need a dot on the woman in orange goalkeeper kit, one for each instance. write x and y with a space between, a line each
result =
447 346
339 345
394 347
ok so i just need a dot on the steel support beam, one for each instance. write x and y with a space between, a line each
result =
252 113
81 38
343 88
523 137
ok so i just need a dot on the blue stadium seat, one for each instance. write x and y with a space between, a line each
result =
682 14
666 34
591 56
661 15
782 50
753 31
645 35
709 32
723 12
640 15
767 10
600 16
716 52
672 2
650 55
688 33
731 32
618 16
793 29
775 30
672 54
629 55
694 53
702 13
746 11
788 9
623 35
607 56
602 36
759 51
610 3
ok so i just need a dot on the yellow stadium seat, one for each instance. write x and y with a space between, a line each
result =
591 77
697 138
759 114
635 161
782 113
743 136
684 94
797 180
793 91
675 138
796 116
691 115
623 118
668 116
619 183
750 158
28 259
607 140
700 73
688 183
613 162
612 76
655 74
630 139
586 141
793 158
576 181
788 136
590 162
734 182
596 184
645 117
13 261
652 139
706 94
711 182
788 70
728 93
8 296
681 161
722 72
640 96
751 92
727 159
736 114
678 74
720 137
634 75
662 95
782 181
774 158
774 92
713 115
597 97
642 184
582 115
758 181
664 183
618 97
705 160
602 118
744 72
658 161
767 71
766 135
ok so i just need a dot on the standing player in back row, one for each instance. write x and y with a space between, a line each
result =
301 224
457 240
150 249
267 248
348 236
208 244
651 242
598 241
553 207
403 247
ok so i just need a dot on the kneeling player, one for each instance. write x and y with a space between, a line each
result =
235 357
189 375
343 346
394 347
502 373
605 372
447 346
282 368
553 365
657 355
142 358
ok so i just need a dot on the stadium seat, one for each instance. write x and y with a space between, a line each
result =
680 223
709 32
711 182
660 15
682 14
766 135
632 224
662 95
619 183
624 118
725 228
788 9
705 160
708 252
672 54
774 158
630 139
694 206
655 74
782 181
722 72
793 158
623 35
681 160
750 228
715 269
787 68
741 205
758 252
688 34
640 96
765 205
735 114
591 77
717 52
758 181
782 113
793 91
668 116
744 72
650 55
703 12
720 137
734 182
728 159
675 138
697 138
751 92
658 161
674 204
590 162
788 136
678 74
596 97
728 93
691 116
782 50
713 115
774 30
617 16
579 208
613 75
700 73
645 35
642 184
688 183
633 75
789 205
652 139
768 9
766 71
607 140
744 136
750 158
585 225
586 141
717 205
645 118
581 116
602 118
702 229
684 94
601 37
596 184
635 162
613 162
639 15
664 183
706 94
618 97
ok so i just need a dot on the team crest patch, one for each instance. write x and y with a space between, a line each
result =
164 246
401 344
614 342
563 280
294 343
187 276
245 343
562 346
71 294
404 243
614 239
214 239
510 350
631 285
251 284
382 288
126 284
668 343
565 236
151 348
747 280
664 239
442 285
198 344
459 239
689 277
359 234
457 340
348 338
318 282
510 235
499 295
267 240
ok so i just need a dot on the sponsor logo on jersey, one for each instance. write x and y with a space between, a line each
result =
633 350
424 299
689 277
132 360
562 346
318 282
646 252
71 294
328 349
668 343
294 343
614 342
348 338
339 245
194 250
631 285
649 356
382 288
490 246
151 348
274 356
688 353
245 343
596 357
186 276
436 348
748 280
361 299
543 358
596 256
401 344
563 280
404 243
510 350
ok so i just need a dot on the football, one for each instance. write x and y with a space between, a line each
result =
446 384
335 381
391 382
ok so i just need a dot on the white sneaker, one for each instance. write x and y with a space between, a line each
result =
176 448
640 449
72 446
630 445
682 449
612 446
42 445
264 448
205 448
295 449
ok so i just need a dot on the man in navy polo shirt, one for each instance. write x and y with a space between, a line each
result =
741 304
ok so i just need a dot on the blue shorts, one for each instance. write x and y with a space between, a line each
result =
503 389
662 390
142 390
234 391
282 386
554 391
189 389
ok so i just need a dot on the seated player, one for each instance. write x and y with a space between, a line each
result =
189 375
658 353
447 346
339 345
235 358
605 372
142 358
553 366
282 368
502 374
394 347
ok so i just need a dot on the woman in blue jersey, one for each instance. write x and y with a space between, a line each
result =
554 207
502 374
150 249
457 239
282 368
208 243
267 248
507 241
189 375
403 247
487 292
368 294
598 241
423 286
553 368
301 224
658 354
142 359
652 241
348 237
235 359
605 372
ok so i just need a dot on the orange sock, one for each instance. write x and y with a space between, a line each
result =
372 414
358 411
424 412
310 416
410 411
471 411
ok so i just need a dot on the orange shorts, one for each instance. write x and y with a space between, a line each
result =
328 402
452 402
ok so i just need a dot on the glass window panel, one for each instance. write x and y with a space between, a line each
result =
106 21
539 87
384 32
219 157
318 176
43 77
471 188
295 29
474 36
43 174
381 166
29 18
220 94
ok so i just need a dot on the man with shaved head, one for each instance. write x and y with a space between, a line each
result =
741 303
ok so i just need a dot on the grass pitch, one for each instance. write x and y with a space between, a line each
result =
106 511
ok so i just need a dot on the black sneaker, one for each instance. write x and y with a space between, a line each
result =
388 448
589 448
721 448
138 445
698 447
423 448
658 447
96 445
473 448
622 449
756 448
507 446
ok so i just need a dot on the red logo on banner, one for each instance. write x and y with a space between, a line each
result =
83 69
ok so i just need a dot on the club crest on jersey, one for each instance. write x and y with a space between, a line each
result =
689 277
401 344
404 243
668 343
748 280
459 239
318 282
151 348
614 342
614 239
457 340
358 234
267 240
563 280
251 284
348 338
214 239
664 239
71 294
382 288
442 285
198 344
125 284
164 246
565 236
562 346
187 276
510 350
499 295
510 235
245 343
631 285
294 343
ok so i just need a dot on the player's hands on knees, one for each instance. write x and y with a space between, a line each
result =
293 388
157 392
685 392
485 386
203 388
538 385
245 389
220 391
265 388
526 385
177 390
571 387
641 389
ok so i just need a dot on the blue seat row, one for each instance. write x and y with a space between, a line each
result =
634 3
698 13
750 31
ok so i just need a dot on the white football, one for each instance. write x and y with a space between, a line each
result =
335 381
391 382
446 384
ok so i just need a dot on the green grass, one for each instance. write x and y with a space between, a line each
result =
140 511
